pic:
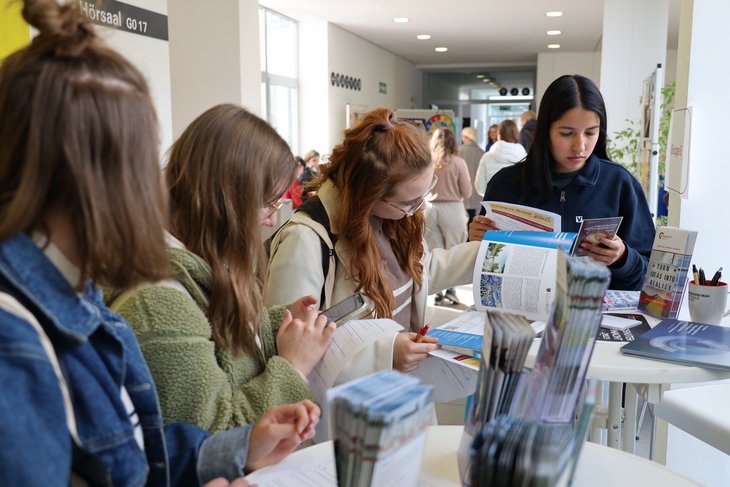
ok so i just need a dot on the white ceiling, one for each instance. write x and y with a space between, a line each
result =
476 32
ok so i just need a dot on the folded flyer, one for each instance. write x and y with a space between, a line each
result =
591 229
508 216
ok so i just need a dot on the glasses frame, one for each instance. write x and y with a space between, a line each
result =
414 209
274 208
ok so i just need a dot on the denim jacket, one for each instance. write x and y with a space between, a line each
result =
99 355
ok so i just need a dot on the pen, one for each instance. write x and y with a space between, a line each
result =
695 274
716 277
421 333
703 282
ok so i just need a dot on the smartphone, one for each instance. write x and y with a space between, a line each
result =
352 308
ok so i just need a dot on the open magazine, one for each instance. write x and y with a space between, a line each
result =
515 271
508 216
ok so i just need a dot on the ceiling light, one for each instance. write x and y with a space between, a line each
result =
554 14
487 79
401 20
423 37
553 46
480 76
554 32
441 49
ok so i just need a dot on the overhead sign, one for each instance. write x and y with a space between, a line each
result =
127 18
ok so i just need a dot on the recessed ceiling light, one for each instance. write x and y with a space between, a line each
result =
487 79
553 46
441 49
554 32
554 14
423 37
480 76
401 20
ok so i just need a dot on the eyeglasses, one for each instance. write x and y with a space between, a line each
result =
271 209
419 202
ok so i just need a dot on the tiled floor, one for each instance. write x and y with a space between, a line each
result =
453 412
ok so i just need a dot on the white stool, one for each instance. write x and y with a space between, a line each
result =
700 411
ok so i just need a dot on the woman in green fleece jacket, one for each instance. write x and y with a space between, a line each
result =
219 359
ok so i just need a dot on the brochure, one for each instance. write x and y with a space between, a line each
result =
508 216
684 342
515 271
606 334
666 276
620 300
592 228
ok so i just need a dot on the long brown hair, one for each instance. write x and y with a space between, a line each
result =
225 167
508 131
78 133
443 146
375 156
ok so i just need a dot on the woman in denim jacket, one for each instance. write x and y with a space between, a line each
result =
81 202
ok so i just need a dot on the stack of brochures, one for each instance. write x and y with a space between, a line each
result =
513 407
620 300
378 428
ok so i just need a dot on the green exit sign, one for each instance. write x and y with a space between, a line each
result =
383 88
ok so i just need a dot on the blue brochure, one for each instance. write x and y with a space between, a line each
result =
684 342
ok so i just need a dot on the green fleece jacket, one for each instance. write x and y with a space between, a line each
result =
198 382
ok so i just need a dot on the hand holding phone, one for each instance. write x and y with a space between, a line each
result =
352 308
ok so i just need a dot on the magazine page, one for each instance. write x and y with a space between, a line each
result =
508 216
593 228
515 271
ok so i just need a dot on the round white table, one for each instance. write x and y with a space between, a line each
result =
598 466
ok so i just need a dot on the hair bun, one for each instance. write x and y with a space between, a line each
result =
63 26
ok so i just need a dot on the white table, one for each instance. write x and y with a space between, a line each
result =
598 466
610 365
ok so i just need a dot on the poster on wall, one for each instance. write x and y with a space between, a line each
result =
678 143
353 114
429 119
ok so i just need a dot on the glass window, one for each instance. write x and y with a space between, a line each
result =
279 74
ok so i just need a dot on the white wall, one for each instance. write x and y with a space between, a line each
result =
214 57
152 57
353 56
313 86
551 65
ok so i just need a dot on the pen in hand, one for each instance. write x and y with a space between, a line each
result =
421 333
703 281
716 277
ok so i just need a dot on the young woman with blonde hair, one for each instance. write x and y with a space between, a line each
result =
376 182
218 357
81 204
446 219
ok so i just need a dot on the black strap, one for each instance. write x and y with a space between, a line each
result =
84 464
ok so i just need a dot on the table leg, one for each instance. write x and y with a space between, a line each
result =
614 414
629 428
599 416
661 428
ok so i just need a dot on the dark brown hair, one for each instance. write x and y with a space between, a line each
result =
508 132
78 134
375 156
443 146
225 167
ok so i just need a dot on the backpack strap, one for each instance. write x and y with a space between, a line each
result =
86 467
315 209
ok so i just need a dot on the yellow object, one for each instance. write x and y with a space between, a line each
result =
14 31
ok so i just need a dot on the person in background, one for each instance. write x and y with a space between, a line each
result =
218 357
527 132
82 205
472 154
492 136
505 152
446 220
372 191
311 171
568 172
294 192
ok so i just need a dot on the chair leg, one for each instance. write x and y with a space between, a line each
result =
644 407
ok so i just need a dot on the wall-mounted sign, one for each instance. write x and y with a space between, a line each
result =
347 82
121 16
382 87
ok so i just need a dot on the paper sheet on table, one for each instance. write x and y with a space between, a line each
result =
310 467
508 216
452 375
347 341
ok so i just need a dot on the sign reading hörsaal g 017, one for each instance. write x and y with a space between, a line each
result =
121 16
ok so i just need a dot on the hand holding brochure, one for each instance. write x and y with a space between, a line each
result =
593 228
508 216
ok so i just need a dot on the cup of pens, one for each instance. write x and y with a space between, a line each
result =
707 298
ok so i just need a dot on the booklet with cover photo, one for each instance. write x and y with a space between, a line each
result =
684 342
